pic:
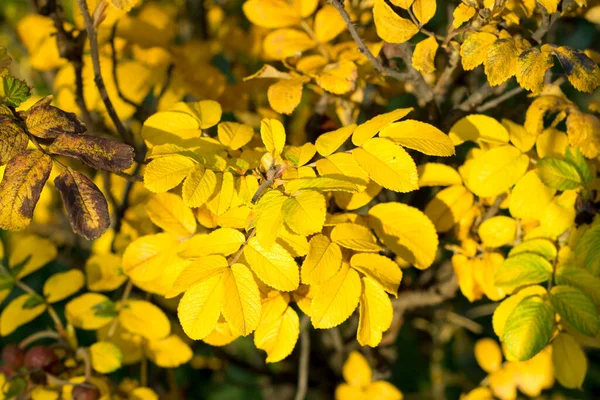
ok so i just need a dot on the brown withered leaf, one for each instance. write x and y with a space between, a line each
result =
85 204
20 189
98 153
46 121
13 139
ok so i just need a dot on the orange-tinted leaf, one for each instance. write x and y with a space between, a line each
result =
23 181
46 121
13 139
86 206
99 153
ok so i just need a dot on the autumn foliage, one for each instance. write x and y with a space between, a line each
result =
299 199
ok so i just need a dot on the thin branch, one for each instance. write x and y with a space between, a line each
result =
500 99
37 336
84 355
113 50
304 362
362 47
476 98
93 36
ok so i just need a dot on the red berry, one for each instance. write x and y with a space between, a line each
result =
87 392
12 356
40 357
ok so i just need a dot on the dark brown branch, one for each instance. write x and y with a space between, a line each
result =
385 71
93 36
304 363
113 50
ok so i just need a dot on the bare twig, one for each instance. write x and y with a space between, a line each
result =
448 75
547 21
477 97
113 50
500 99
37 336
84 355
93 36
304 362
362 47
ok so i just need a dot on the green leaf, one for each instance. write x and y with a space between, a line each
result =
15 387
587 249
528 328
581 279
6 281
521 270
33 301
16 269
105 309
16 91
558 174
570 363
576 309
574 157
542 247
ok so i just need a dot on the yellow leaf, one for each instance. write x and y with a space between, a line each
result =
15 314
582 72
167 211
501 61
368 129
343 165
271 13
164 173
272 134
200 307
390 26
505 308
551 6
62 285
403 3
103 272
381 269
80 311
353 201
551 143
424 55
383 390
41 393
220 201
338 78
169 127
285 95
519 136
406 231
284 43
529 197
496 171
275 266
322 262
328 24
106 357
300 155
304 212
497 231
234 135
462 14
336 299
532 65
296 245
376 313
488 355
474 50
569 361
387 164
143 393
436 174
478 127
145 319
329 142
355 237
269 217
199 270
448 207
170 352
224 241
145 257
199 186
241 307
129 344
419 136
559 214
424 10
278 337
356 370
24 178
32 251
206 112
14 139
